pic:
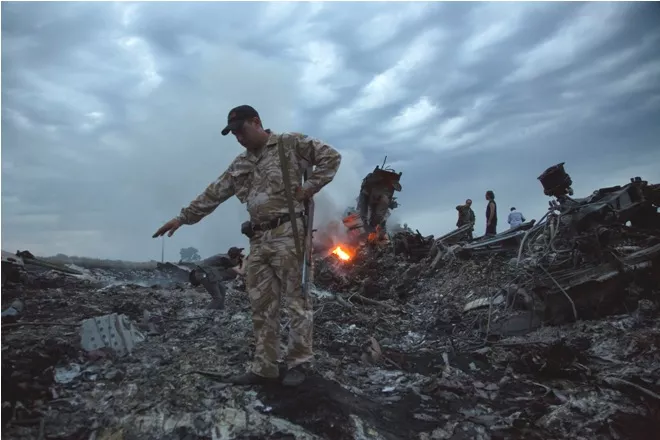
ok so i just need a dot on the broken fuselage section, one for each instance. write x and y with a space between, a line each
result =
374 204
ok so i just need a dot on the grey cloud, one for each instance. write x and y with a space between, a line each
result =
112 111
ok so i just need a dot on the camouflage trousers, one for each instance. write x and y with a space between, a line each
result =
275 274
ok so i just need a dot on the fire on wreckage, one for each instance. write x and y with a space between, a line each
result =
374 204
420 338
577 261
583 247
366 224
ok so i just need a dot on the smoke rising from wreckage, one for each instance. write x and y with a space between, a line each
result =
548 330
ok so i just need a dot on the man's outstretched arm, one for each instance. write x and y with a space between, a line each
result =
205 203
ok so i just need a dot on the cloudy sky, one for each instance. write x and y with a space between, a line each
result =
111 112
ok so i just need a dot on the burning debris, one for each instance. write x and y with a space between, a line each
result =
376 198
341 253
368 223
549 330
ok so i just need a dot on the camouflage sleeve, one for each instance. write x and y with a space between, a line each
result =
323 156
205 203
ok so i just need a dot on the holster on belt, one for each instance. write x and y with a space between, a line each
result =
247 230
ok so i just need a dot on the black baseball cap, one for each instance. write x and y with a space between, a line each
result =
237 116
234 251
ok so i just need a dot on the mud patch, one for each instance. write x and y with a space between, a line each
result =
27 375
327 409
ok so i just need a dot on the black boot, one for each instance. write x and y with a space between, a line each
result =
217 304
295 376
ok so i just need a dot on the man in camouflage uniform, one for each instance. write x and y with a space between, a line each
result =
213 271
275 268
465 216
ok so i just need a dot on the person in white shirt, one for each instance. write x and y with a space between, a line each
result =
516 218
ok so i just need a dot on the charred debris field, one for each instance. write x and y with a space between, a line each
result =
547 331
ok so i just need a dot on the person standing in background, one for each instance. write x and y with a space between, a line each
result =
466 216
516 218
491 214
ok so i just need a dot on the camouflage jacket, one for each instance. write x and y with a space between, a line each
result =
257 180
465 215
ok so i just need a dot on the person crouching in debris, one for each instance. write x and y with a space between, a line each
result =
214 271
491 214
466 216
258 178
515 218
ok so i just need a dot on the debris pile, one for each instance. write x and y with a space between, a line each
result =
550 331
414 246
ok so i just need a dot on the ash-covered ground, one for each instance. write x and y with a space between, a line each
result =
410 364
550 333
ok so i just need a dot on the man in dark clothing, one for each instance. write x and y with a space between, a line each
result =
491 214
466 216
213 271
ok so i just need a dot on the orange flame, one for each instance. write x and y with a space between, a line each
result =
341 253
376 235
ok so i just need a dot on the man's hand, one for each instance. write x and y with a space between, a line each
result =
169 227
301 195
240 269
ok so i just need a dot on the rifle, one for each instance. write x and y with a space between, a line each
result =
308 262
304 252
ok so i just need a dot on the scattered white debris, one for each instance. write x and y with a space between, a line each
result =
112 331
67 374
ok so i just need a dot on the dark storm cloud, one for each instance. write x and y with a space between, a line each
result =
112 111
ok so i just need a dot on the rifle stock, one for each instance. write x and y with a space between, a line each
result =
308 262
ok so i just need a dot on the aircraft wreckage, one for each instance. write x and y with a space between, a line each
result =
547 331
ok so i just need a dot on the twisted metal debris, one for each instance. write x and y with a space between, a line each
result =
545 332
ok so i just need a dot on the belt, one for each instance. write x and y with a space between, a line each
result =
272 224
